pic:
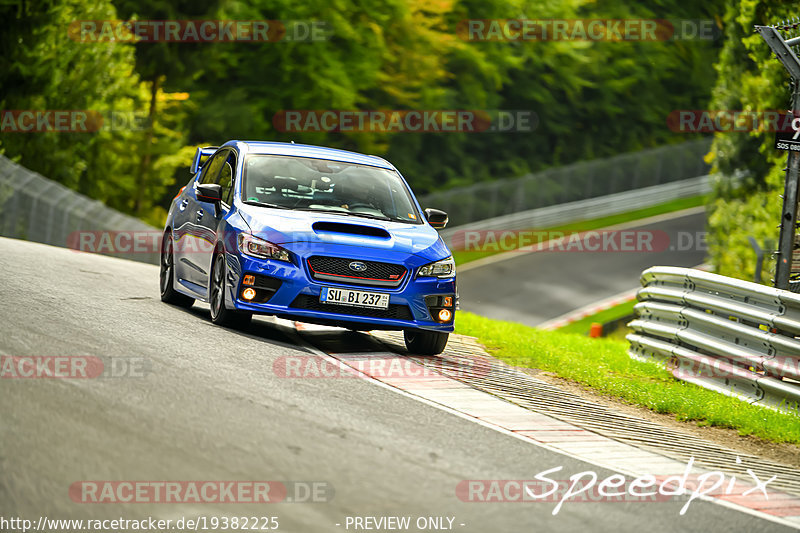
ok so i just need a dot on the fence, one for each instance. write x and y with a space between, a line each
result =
40 210
723 334
574 182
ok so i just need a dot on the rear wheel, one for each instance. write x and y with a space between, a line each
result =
424 342
167 275
220 315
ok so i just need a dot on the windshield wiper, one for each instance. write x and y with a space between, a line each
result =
265 204
356 214
315 210
347 213
370 215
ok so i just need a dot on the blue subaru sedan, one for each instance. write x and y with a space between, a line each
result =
311 234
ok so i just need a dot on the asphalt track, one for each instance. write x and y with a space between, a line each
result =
210 407
532 288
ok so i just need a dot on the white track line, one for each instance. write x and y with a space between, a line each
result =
588 310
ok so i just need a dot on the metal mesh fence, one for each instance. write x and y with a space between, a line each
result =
40 210
579 181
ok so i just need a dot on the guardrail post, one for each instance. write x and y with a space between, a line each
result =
782 49
759 258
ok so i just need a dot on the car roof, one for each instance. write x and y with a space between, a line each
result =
307 150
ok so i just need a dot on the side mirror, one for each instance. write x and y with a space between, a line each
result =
209 192
436 218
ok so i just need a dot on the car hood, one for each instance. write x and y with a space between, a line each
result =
306 232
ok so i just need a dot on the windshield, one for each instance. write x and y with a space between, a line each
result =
327 186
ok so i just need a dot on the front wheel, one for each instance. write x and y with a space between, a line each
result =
167 275
424 342
220 315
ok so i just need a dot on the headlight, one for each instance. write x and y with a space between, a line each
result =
445 268
256 247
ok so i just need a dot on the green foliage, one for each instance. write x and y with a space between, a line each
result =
749 78
593 99
48 70
51 70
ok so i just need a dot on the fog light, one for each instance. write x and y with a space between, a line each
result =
444 315
447 301
249 294
249 280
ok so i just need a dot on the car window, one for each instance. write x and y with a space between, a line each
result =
333 186
212 167
226 178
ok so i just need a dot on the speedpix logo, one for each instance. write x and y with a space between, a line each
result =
588 487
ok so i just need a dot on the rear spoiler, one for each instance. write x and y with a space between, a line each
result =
201 156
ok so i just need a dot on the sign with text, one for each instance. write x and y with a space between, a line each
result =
788 136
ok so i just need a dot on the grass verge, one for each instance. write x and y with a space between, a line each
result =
463 256
604 366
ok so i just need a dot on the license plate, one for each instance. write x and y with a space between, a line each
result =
354 298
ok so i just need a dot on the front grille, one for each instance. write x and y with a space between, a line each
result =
312 303
338 269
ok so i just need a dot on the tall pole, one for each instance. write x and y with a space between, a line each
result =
789 212
783 51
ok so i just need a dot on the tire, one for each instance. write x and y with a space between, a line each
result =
220 315
422 342
167 276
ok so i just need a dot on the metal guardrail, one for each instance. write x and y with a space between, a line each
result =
612 204
41 210
571 183
731 336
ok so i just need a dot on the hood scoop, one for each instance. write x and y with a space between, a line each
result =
350 229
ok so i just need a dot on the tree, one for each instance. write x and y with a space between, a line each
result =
746 199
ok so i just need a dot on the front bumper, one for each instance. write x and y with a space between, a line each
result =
298 297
